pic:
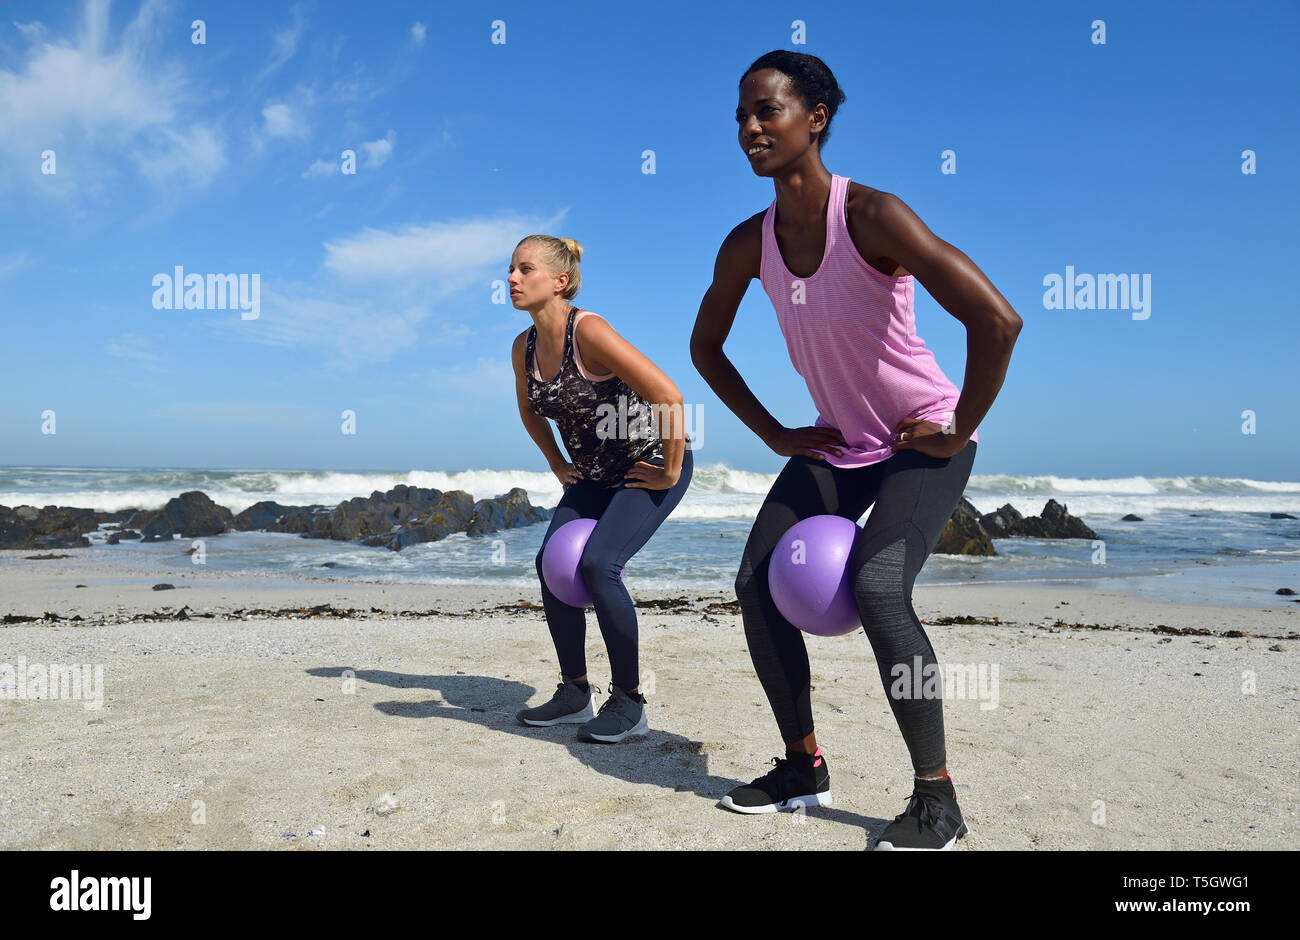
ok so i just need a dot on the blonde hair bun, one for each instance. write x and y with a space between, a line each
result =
573 246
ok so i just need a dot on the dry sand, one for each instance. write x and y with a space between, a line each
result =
245 731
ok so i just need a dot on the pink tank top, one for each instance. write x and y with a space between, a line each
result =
852 336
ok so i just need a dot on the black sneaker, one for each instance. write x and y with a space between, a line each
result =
569 705
932 820
796 782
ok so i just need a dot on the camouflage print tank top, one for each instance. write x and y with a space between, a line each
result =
606 426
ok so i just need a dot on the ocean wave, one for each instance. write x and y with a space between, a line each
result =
718 491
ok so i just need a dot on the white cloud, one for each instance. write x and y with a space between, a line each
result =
407 277
448 255
196 154
321 168
417 33
135 347
378 151
12 264
280 121
284 43
32 32
349 332
93 95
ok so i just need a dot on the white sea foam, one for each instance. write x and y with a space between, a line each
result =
717 491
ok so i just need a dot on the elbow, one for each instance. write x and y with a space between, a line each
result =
1007 328
704 353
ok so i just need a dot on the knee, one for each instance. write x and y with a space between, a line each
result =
878 586
595 567
747 586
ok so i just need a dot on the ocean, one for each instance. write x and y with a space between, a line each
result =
1205 540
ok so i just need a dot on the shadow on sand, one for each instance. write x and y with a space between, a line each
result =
661 758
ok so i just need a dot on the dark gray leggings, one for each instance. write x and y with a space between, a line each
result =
914 495
627 517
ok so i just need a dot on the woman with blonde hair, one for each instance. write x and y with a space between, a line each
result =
572 367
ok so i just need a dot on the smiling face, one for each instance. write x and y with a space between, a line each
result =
772 117
531 283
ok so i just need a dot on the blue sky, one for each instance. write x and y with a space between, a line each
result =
376 287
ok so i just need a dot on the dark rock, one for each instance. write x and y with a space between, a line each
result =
126 534
1056 523
48 527
451 513
262 515
159 529
963 535
1286 591
141 518
1280 515
164 587
190 515
195 515
505 512
118 515
1132 517
1002 524
302 520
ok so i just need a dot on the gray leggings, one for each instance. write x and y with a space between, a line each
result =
914 494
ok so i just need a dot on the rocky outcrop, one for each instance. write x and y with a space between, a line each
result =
265 514
447 513
1002 524
409 515
48 527
962 535
1055 523
191 515
969 533
504 512
405 515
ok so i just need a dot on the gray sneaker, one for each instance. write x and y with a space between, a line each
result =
569 705
618 718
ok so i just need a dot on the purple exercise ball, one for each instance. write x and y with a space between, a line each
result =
809 575
562 559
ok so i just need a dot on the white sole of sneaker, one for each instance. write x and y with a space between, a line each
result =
641 727
581 717
889 847
793 804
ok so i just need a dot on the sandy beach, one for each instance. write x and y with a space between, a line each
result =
1109 722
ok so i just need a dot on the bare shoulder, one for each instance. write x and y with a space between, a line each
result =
519 348
875 217
742 250
588 321
867 203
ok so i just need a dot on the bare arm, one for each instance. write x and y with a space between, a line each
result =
887 227
602 347
736 265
